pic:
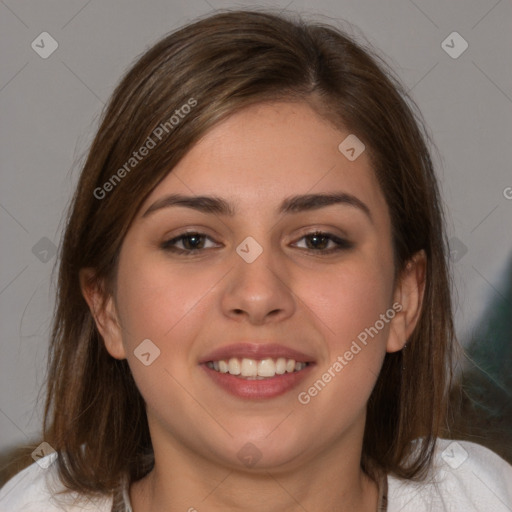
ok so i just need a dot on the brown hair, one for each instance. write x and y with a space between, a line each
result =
95 417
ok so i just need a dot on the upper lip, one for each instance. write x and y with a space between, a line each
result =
256 351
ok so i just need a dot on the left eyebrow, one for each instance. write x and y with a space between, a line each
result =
294 204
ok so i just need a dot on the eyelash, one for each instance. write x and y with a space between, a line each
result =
342 244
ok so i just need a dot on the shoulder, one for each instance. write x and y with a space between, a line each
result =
464 477
36 488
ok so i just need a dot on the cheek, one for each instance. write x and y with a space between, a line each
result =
165 305
161 306
349 300
153 298
349 304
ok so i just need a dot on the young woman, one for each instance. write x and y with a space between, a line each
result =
254 306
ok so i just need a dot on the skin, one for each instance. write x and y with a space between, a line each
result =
190 304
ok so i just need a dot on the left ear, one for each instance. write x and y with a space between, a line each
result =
408 299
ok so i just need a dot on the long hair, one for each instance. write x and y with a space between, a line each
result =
94 416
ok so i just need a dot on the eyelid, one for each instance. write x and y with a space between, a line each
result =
333 231
167 243
341 242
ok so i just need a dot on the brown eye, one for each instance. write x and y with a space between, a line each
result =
191 242
318 242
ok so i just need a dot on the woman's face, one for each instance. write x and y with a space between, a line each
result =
259 286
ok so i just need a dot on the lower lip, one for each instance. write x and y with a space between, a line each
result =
264 388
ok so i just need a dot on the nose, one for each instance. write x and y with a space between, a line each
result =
259 291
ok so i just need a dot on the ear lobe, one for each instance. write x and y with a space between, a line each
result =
103 311
408 301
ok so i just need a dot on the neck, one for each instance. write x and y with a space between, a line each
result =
332 480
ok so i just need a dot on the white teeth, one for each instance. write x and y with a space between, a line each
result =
266 368
249 368
280 366
256 369
234 366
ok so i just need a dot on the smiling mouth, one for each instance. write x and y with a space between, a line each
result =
256 369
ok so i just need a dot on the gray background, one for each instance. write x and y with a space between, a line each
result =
49 110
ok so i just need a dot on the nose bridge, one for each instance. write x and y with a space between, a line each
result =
258 285
256 263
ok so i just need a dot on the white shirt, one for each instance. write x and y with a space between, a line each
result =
465 477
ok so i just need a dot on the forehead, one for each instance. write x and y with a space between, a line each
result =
269 151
